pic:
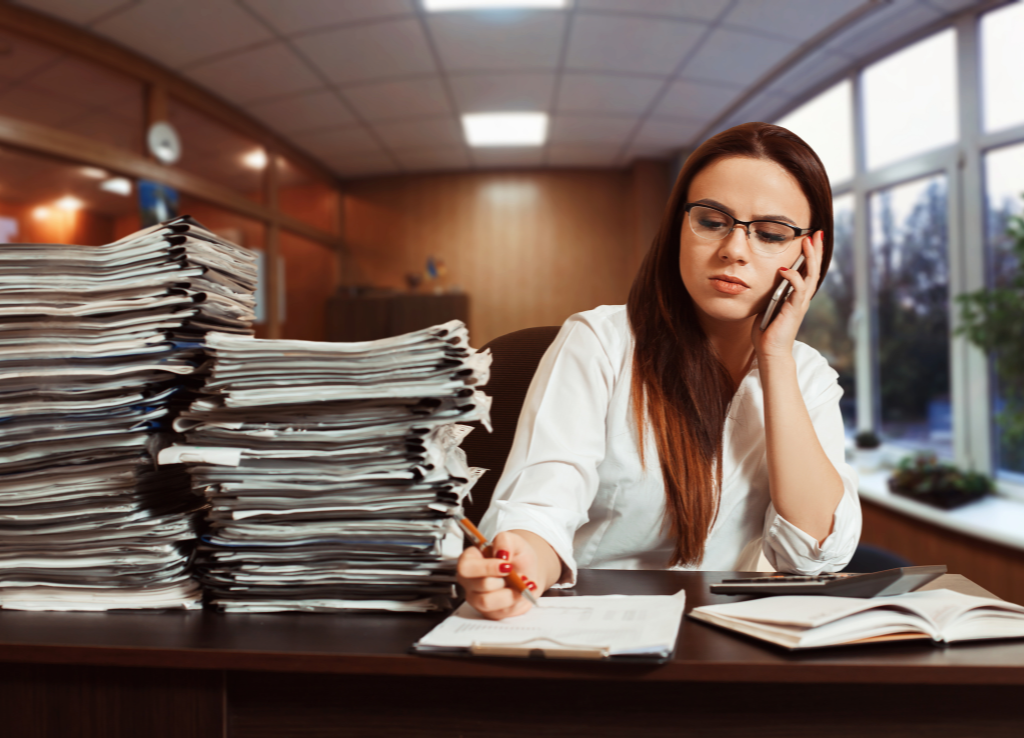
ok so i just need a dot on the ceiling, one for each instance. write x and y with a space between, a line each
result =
374 87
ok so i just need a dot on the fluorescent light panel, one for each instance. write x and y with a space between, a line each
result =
440 6
505 129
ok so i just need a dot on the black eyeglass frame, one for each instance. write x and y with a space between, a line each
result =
797 232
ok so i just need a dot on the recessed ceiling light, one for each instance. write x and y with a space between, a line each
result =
256 159
505 129
93 172
440 6
118 185
69 203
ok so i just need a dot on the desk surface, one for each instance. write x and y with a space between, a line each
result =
377 643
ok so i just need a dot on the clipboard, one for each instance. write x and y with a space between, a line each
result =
637 629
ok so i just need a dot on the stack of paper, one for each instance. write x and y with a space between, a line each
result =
333 469
97 344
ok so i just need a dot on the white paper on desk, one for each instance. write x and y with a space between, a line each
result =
639 626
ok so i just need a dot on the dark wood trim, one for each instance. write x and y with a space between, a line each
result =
69 38
72 147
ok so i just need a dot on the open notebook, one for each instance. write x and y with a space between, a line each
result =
608 627
798 622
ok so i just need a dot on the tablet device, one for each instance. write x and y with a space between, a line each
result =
839 584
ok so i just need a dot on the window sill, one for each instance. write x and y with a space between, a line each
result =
998 519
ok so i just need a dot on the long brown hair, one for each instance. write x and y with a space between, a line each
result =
680 387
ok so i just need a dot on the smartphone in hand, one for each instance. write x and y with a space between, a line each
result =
783 291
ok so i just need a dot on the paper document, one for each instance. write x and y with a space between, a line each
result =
567 627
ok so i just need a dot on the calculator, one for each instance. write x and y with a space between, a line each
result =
839 584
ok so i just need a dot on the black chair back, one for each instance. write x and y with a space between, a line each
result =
516 356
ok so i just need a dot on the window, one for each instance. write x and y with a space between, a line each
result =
1002 58
828 323
1004 185
910 295
826 124
910 101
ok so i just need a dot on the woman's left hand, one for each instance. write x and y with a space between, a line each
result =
777 339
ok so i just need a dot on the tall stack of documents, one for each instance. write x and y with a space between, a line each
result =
333 470
98 347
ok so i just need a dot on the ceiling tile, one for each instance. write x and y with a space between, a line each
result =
889 23
265 72
584 129
702 10
369 51
736 58
581 156
434 158
177 33
488 158
303 112
647 152
400 99
696 100
809 72
795 19
418 133
86 84
667 134
951 6
600 93
337 142
480 42
307 15
82 12
480 93
630 44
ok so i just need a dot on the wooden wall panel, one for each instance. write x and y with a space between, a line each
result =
530 248
999 569
310 271
80 227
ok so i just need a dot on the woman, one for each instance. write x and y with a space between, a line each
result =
742 447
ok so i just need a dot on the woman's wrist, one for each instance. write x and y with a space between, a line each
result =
549 563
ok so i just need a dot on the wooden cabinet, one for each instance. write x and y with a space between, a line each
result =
368 317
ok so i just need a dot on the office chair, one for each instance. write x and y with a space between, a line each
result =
516 356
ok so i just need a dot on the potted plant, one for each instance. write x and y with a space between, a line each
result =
992 320
868 453
926 480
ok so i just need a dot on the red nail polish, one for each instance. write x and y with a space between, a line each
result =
505 568
502 555
783 269
531 586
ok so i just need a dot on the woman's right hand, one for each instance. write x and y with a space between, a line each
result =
484 579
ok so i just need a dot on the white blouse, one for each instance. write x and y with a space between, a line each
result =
574 476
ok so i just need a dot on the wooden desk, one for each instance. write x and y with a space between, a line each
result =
204 674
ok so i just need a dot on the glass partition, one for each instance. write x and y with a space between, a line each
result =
1004 198
215 152
910 100
42 85
43 200
828 324
826 124
310 198
1002 59
910 296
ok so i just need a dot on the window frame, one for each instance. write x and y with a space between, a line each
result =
962 163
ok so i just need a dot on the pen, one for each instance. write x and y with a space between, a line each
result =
513 578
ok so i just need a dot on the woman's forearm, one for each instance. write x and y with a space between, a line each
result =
805 486
549 562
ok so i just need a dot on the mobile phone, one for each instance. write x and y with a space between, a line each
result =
783 291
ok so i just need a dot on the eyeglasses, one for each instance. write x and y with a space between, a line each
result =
766 236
